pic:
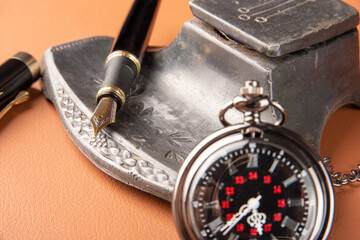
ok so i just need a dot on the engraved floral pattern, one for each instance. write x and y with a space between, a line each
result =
176 140
139 109
139 169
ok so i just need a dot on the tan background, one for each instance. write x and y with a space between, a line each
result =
49 190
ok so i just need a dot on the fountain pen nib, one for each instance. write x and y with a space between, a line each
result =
104 114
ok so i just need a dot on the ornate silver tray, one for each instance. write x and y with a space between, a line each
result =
176 99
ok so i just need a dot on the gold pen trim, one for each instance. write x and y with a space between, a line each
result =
121 53
21 97
30 62
109 89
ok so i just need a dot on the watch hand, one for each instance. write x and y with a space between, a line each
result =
251 205
244 210
257 220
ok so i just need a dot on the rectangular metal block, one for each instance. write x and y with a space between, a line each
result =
277 27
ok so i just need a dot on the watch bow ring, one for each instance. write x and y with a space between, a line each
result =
251 103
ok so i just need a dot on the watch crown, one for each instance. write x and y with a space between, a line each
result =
252 88
252 103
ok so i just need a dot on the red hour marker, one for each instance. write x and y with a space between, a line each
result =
267 227
277 217
229 190
253 232
229 216
239 180
277 189
240 227
253 175
267 179
225 204
281 203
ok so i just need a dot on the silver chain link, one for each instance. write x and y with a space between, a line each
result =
338 179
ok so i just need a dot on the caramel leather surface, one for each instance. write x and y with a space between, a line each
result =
49 190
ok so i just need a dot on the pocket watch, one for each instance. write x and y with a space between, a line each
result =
253 180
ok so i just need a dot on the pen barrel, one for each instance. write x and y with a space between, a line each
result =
121 70
135 33
17 74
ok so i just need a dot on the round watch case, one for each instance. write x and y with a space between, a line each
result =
206 172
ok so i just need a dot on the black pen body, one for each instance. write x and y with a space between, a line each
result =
17 74
135 33
123 64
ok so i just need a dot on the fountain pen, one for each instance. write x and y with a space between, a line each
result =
122 65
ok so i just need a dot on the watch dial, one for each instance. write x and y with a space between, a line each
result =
255 190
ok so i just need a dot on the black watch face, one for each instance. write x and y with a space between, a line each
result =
254 189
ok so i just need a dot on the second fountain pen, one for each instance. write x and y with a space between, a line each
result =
122 65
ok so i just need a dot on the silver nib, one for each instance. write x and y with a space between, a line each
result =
104 114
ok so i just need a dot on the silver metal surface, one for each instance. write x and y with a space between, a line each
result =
277 27
181 88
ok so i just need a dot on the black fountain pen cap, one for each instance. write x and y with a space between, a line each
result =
31 63
16 75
